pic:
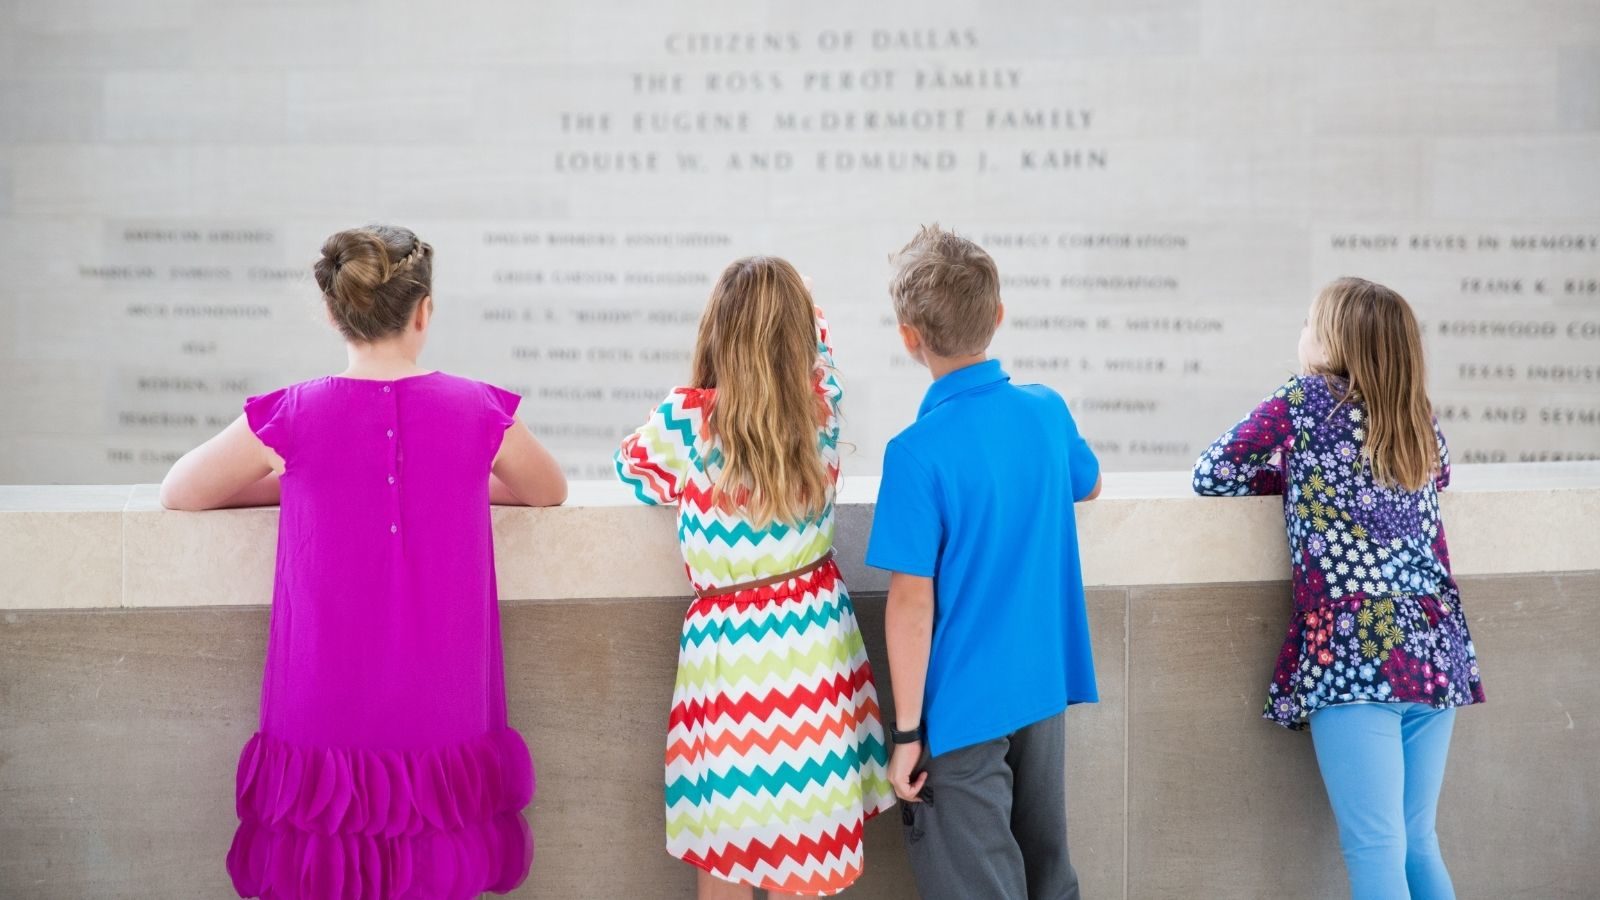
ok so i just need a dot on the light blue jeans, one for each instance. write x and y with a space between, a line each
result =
1383 764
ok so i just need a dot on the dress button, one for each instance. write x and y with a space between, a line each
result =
386 389
390 432
393 528
391 479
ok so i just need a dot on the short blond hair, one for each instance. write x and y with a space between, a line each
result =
948 289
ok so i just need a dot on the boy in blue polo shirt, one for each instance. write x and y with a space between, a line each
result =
988 636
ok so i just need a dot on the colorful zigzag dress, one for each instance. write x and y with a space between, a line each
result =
775 752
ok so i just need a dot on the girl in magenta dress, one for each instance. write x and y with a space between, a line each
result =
384 766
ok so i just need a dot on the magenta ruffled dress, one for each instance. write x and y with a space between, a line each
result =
384 768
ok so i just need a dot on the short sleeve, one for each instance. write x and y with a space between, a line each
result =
502 405
907 528
655 459
1081 461
268 416
499 413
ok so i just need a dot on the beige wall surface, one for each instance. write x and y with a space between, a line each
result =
119 731
74 546
131 643
1164 183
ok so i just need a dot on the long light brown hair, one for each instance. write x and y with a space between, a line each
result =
758 348
1371 340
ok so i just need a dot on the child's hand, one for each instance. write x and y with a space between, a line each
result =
903 769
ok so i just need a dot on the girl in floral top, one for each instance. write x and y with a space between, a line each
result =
1377 655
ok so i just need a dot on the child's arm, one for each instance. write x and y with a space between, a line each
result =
824 337
1245 460
827 374
1441 479
908 627
500 494
907 533
231 469
524 473
1085 470
654 461
1084 466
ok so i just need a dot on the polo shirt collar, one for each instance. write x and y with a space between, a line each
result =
961 381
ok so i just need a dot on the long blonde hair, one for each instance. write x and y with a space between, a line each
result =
1371 340
758 348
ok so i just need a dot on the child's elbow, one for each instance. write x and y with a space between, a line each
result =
557 493
1205 486
550 491
175 496
1093 492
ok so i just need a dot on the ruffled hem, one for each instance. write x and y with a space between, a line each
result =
386 793
433 824
287 864
1321 644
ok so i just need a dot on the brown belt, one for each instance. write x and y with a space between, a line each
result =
816 564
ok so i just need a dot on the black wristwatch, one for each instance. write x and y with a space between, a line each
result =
906 737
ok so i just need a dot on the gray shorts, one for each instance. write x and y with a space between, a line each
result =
993 821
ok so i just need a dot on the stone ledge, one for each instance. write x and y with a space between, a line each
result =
108 546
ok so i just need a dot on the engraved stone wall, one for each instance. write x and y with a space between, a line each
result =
1164 183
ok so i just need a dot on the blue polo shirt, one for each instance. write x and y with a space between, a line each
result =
977 494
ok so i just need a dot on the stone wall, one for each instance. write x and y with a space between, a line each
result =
119 732
1164 183
131 645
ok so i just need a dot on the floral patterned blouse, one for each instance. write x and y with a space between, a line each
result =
1377 615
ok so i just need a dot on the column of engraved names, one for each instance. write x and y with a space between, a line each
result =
1105 317
1511 321
598 324
198 317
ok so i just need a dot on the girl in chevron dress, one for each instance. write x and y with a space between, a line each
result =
775 752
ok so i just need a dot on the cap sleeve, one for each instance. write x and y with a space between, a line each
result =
269 416
502 406
500 413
